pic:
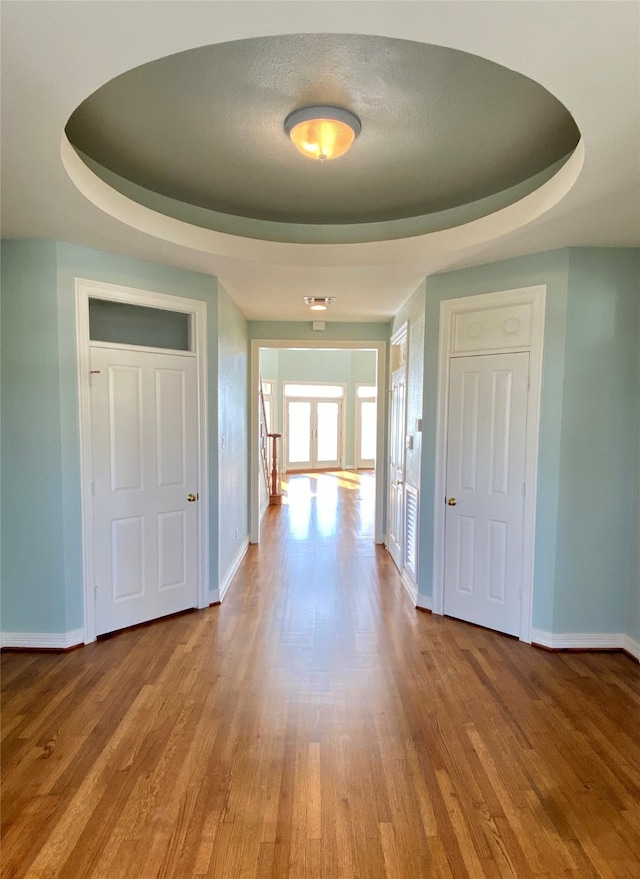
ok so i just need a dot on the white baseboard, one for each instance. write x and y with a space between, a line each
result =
424 602
631 646
42 640
216 595
585 641
567 641
410 586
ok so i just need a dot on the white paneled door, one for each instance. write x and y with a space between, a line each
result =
485 489
144 453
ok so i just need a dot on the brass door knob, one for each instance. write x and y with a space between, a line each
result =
452 502
192 497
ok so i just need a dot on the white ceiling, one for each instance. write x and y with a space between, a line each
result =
55 54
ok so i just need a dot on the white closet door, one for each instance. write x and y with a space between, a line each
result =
144 448
485 489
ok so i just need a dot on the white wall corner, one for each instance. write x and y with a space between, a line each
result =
632 647
410 586
425 602
42 640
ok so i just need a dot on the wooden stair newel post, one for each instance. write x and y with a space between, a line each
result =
275 496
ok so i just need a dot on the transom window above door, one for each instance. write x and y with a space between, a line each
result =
123 323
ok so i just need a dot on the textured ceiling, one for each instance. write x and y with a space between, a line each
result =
56 55
440 128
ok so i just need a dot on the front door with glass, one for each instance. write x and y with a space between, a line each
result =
313 430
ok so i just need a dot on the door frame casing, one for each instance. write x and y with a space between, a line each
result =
380 473
84 291
535 298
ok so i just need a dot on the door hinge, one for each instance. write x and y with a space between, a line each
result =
519 593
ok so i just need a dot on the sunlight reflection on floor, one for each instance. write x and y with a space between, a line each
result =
300 490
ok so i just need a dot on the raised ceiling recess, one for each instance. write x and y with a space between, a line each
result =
446 137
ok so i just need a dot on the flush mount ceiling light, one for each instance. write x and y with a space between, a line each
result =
319 303
322 132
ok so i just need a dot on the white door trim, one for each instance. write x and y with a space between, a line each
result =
380 473
534 297
85 290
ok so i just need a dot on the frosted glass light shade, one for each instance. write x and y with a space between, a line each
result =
319 303
322 132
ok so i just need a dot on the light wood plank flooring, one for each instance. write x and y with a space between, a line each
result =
317 726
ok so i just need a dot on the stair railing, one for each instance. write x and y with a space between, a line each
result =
274 486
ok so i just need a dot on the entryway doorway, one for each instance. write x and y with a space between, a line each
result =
320 432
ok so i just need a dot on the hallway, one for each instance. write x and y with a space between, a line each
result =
316 726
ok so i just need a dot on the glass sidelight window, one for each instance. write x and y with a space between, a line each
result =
366 426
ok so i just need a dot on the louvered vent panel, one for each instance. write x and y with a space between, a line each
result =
411 531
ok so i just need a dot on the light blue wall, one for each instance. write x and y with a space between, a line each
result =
233 424
315 366
269 363
633 605
269 371
33 549
38 322
334 332
599 455
363 367
584 544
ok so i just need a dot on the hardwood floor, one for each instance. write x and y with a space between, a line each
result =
317 726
